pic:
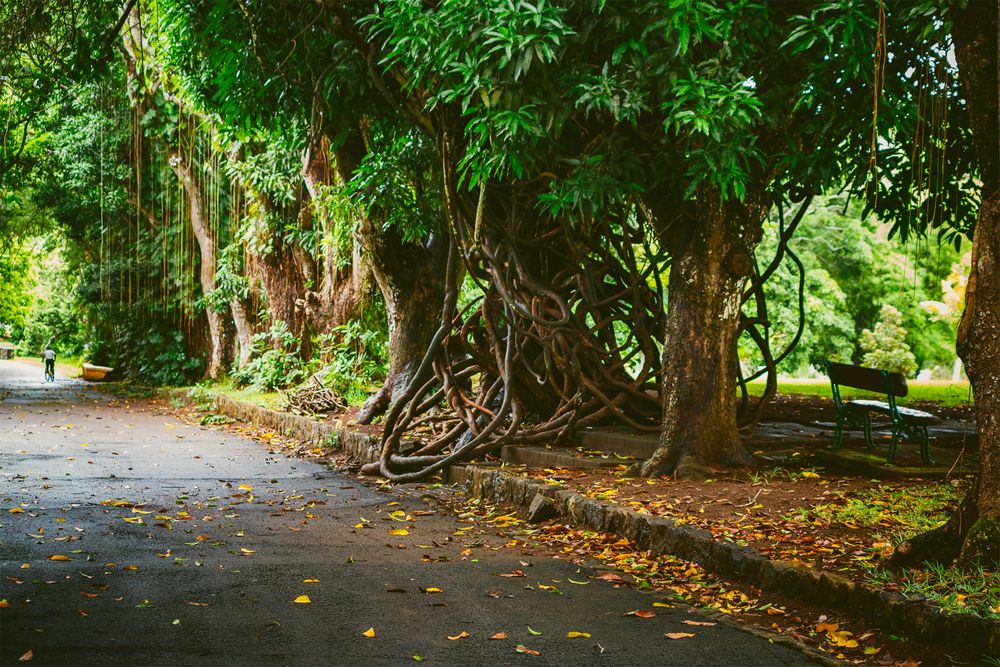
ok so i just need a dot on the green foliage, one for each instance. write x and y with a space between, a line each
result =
354 359
276 363
885 346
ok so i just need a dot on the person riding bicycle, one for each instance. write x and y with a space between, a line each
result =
49 355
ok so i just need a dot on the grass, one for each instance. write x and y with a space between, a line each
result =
265 399
942 392
964 591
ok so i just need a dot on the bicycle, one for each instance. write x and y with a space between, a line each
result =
50 374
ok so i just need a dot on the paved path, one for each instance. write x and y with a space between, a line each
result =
168 557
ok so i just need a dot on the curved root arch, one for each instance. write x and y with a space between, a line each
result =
564 335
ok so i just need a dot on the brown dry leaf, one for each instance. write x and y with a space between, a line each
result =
827 627
690 622
678 635
499 635
612 577
59 557
641 613
4 604
27 656
774 611
515 573
521 648
461 635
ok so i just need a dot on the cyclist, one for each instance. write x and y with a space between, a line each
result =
49 355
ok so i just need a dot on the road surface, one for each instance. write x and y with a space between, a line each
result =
128 537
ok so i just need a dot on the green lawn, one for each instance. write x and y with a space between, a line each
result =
267 399
951 394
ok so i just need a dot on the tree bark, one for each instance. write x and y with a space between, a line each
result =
710 263
410 277
972 534
341 291
218 334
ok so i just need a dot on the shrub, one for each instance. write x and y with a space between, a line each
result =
885 346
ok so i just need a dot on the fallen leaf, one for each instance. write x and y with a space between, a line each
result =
690 622
774 611
26 656
827 627
59 557
515 573
532 631
399 531
17 510
663 604
574 635
245 487
461 635
499 635
612 577
432 589
521 648
310 581
578 583
641 613
4 604
302 599
678 635
370 632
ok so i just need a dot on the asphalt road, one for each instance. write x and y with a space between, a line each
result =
130 538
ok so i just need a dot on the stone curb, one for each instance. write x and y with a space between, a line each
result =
360 447
894 612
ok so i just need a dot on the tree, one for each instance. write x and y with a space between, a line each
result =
972 534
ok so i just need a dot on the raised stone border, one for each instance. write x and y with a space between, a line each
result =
915 618
894 612
361 447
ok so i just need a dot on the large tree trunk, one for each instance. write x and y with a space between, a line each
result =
410 277
342 287
973 532
710 261
218 333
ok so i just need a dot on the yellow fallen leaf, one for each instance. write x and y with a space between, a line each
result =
310 581
16 510
690 622
59 557
133 519
574 635
302 599
432 589
399 531
4 604
248 551
245 487
663 604
677 635
370 632
809 474
461 635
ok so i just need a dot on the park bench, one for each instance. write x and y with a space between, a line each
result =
907 424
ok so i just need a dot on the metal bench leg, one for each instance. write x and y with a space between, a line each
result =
894 444
925 446
868 432
838 434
